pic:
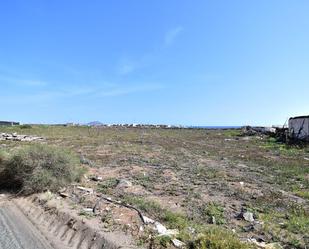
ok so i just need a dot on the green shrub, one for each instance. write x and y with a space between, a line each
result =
25 126
212 211
218 238
36 168
107 185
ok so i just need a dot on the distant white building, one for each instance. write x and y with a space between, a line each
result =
299 128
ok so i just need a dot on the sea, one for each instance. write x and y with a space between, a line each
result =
215 127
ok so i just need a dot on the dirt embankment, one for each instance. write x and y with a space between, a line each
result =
37 223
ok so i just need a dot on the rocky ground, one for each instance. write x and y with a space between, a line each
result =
187 181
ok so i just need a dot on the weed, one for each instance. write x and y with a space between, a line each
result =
302 193
86 214
218 238
213 212
107 185
163 241
144 180
25 126
37 168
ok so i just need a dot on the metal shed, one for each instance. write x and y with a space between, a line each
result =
299 128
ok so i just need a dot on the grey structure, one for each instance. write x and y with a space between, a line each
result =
8 123
299 128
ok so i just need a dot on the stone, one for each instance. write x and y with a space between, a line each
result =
16 137
148 220
88 190
96 178
177 243
248 216
124 183
273 246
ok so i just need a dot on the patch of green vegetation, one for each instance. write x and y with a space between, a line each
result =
86 214
218 238
35 168
289 226
297 220
210 237
107 185
302 193
202 172
284 149
144 180
148 206
232 133
163 241
214 212
25 126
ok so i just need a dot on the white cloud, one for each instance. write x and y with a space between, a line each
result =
127 66
125 90
23 82
172 34
110 90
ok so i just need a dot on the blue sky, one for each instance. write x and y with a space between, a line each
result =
195 62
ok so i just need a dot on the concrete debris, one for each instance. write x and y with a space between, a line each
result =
248 216
177 243
96 178
252 131
148 220
273 246
16 137
88 210
163 231
88 190
264 245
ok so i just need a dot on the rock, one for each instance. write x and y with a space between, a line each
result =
16 137
177 243
86 161
148 220
124 183
213 220
248 228
273 246
89 190
96 178
88 210
248 216
64 195
163 231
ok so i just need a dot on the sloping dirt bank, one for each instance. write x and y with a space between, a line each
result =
36 223
17 232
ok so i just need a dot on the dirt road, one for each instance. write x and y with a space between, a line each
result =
16 231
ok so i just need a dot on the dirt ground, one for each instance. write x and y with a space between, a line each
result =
190 180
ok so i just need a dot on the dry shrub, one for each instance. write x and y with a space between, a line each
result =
36 168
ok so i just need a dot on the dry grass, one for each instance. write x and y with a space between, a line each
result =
198 174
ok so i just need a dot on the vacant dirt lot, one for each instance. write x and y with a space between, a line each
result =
190 180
